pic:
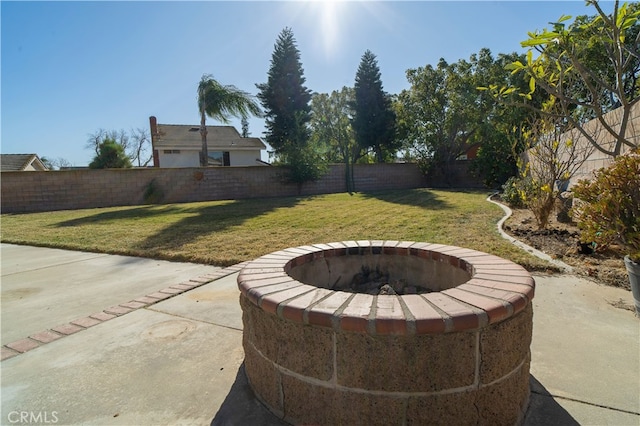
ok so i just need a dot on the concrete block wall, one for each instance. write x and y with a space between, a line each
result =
78 189
457 175
320 355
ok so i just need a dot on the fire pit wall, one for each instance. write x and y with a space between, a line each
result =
450 347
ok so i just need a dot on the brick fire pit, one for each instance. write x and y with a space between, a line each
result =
445 342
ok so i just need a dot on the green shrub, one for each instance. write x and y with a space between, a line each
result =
514 192
532 194
540 199
153 193
609 208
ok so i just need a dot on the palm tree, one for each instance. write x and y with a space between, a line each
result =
219 102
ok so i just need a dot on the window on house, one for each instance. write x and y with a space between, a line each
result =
219 158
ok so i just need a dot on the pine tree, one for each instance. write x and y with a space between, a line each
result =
245 127
110 155
286 102
374 119
285 98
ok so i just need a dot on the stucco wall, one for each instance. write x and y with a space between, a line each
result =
244 158
597 160
183 159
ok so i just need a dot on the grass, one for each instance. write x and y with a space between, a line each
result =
227 232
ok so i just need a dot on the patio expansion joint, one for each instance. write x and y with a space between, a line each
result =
18 347
98 255
173 314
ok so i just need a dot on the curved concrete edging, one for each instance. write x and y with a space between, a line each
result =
520 244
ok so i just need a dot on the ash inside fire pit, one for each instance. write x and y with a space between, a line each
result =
377 282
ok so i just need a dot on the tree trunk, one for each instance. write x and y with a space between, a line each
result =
204 154
347 176
353 178
378 150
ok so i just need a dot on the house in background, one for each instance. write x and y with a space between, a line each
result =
471 153
177 145
21 163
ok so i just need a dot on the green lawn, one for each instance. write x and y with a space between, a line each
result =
227 232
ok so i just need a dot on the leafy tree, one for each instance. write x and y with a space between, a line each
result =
287 111
440 114
110 155
95 139
219 102
589 67
374 118
501 133
331 116
497 156
443 115
136 144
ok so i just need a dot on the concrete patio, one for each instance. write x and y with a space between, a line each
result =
175 355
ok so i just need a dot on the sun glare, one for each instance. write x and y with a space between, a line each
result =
329 14
330 22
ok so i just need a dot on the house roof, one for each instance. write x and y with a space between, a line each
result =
20 162
219 138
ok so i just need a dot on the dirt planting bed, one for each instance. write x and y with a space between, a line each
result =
562 241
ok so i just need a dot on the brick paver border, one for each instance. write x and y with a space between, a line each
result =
36 340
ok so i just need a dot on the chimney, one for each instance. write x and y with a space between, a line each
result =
153 125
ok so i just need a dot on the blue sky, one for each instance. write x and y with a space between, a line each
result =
71 68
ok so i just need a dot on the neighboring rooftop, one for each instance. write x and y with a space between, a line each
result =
21 163
219 138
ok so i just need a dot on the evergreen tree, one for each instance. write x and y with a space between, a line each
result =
245 127
110 155
374 118
287 111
